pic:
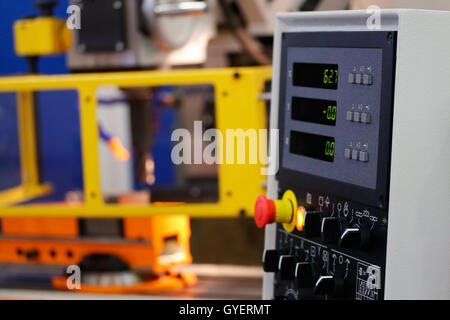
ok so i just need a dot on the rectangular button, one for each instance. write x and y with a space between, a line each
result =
356 116
347 153
358 78
367 79
365 117
350 115
354 154
363 156
351 78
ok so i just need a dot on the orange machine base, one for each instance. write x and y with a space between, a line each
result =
169 282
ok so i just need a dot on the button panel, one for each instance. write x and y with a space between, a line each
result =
357 155
359 78
359 117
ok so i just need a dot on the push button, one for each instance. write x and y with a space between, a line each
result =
367 79
269 211
348 153
351 78
365 117
355 154
358 78
349 115
364 156
356 116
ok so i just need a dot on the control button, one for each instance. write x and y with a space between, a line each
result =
364 156
348 153
357 237
330 230
355 154
324 285
286 266
270 260
351 78
349 115
312 223
365 118
356 116
305 275
367 79
358 78
268 211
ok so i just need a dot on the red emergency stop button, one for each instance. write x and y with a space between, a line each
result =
269 211
265 211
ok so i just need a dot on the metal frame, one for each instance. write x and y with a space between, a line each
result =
237 107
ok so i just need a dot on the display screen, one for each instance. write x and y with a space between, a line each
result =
312 146
315 75
314 110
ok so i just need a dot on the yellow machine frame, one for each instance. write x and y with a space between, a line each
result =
237 107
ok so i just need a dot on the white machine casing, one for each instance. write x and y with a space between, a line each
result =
418 241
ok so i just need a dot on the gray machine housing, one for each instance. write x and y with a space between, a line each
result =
418 238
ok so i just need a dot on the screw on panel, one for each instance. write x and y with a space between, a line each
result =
390 37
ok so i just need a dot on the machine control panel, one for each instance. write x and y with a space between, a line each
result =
335 121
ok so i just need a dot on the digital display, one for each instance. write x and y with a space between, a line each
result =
312 146
314 110
316 75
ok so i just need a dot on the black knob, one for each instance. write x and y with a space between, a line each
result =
312 223
356 237
305 275
330 285
324 285
270 260
286 266
330 229
46 7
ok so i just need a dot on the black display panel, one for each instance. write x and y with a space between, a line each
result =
315 75
314 110
312 146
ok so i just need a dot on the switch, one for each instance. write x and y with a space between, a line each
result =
270 260
324 285
355 154
348 153
358 78
351 78
356 116
330 230
367 79
312 223
349 115
305 275
364 156
286 266
365 117
269 211
331 284
356 237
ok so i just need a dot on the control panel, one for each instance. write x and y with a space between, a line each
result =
335 123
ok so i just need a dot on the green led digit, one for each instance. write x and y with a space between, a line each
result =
325 76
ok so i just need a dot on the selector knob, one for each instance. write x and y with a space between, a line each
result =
305 275
324 285
286 266
269 211
330 285
330 229
270 260
313 223
309 221
356 237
